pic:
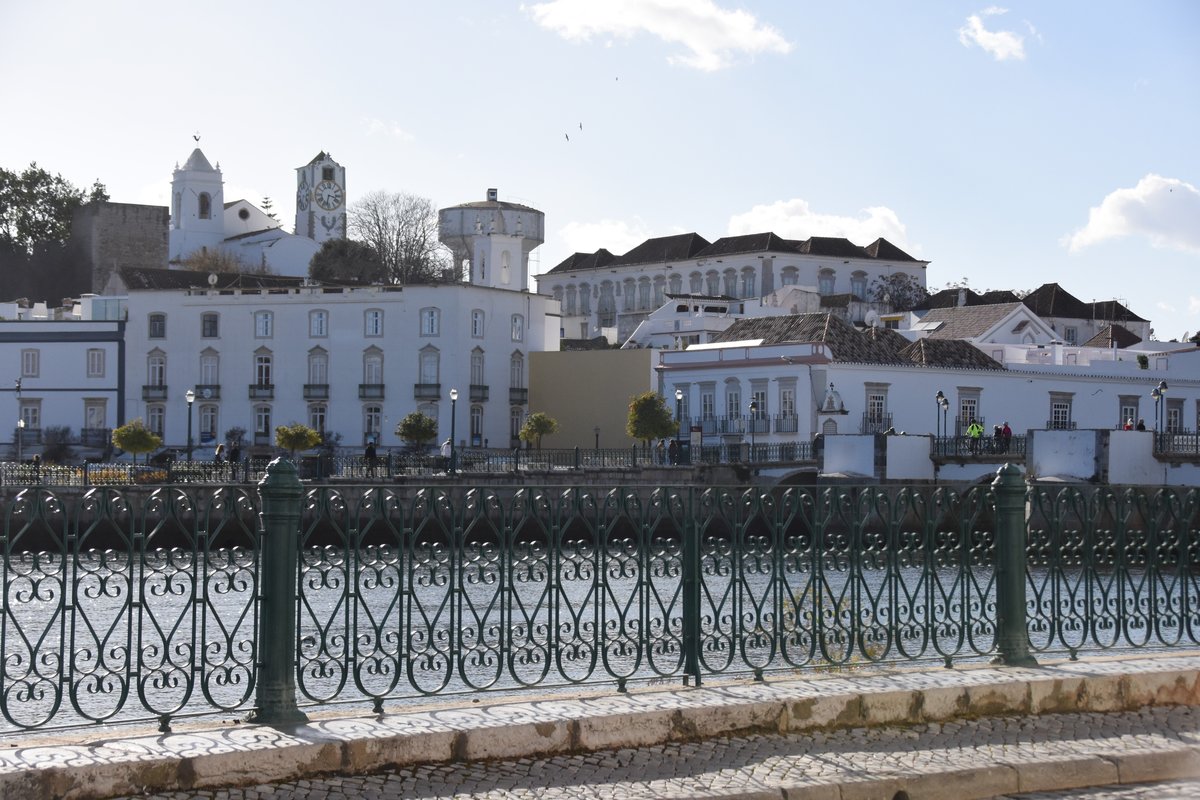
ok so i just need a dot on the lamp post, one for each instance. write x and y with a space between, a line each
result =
20 419
678 416
190 397
938 399
453 405
753 418
596 430
1159 393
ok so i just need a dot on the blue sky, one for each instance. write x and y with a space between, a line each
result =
1008 145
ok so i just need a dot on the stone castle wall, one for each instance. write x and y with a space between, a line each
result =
113 235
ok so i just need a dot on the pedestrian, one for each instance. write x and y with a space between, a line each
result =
997 439
371 458
1006 432
1129 424
673 452
1141 426
660 452
974 435
219 454
446 448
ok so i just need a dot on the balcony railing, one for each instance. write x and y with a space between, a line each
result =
985 448
262 391
263 437
370 391
208 391
427 391
875 423
1177 443
1060 425
316 391
479 393
29 436
789 423
154 391
757 425
518 397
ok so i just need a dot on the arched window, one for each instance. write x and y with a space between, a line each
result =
713 280
585 299
318 366
477 374
205 206
696 283
749 283
516 371
660 285
858 285
730 277
825 281
675 283
789 277
630 294
569 302
643 294
607 306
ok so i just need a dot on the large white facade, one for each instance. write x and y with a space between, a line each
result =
348 361
603 294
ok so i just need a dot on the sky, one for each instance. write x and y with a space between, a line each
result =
1009 146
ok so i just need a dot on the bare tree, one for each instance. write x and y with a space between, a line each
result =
403 231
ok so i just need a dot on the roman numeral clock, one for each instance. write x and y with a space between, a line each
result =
321 199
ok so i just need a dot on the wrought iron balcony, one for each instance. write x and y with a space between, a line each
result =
758 425
789 423
1060 425
154 392
316 391
208 391
518 397
479 392
875 423
262 391
370 391
427 391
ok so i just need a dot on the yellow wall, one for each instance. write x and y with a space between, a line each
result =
587 389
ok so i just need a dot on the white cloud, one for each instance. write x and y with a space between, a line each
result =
794 219
1000 45
1164 210
711 35
376 127
616 236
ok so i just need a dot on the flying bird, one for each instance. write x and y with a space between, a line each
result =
565 136
196 136
581 126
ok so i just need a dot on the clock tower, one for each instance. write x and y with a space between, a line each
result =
321 199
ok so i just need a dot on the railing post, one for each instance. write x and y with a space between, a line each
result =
275 693
691 589
576 458
1012 638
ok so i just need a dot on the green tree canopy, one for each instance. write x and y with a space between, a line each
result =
901 290
296 437
649 418
135 437
417 429
36 207
537 425
346 261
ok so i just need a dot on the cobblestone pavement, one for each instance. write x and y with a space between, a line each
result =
1173 790
970 753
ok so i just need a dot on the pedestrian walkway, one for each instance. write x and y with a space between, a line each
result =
956 734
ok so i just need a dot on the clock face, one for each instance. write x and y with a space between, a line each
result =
328 195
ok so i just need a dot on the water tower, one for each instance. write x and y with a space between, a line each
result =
492 240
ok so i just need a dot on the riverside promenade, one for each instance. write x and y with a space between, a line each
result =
1097 728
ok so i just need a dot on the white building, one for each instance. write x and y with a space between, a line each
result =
66 369
603 294
815 373
260 351
202 222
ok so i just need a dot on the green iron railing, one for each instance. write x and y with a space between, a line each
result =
176 601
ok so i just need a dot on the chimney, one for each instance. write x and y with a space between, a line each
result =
962 296
493 195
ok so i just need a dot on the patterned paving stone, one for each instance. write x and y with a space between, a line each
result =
763 766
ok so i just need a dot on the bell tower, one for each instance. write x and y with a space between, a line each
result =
197 208
321 199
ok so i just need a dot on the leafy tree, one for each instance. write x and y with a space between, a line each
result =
296 436
901 290
417 429
537 425
36 207
649 418
346 261
403 230
135 437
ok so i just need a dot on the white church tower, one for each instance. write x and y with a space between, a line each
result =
321 199
197 208
492 239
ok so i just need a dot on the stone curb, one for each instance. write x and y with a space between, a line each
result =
254 754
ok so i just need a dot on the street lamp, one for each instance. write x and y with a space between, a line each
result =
190 397
596 430
678 416
938 399
753 417
20 419
453 405
1159 393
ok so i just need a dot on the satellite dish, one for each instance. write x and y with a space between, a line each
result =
206 393
212 279
872 319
